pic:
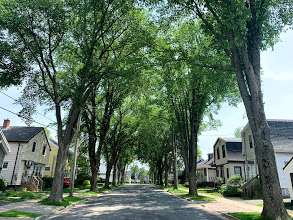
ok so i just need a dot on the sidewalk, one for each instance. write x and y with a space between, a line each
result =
225 206
33 207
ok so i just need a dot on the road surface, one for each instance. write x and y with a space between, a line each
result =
139 202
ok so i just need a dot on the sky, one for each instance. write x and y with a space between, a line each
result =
277 85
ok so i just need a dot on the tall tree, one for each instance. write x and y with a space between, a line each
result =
242 29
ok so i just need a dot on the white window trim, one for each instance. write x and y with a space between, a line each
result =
7 165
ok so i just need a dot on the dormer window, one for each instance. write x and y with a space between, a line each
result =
223 151
250 141
44 150
34 147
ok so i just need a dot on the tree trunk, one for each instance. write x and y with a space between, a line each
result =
175 174
160 171
108 174
166 170
114 175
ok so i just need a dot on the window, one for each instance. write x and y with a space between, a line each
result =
223 151
44 150
218 153
34 147
5 166
237 171
250 141
205 172
47 168
227 173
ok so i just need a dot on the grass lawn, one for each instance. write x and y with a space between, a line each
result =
248 215
12 213
286 204
213 192
198 198
90 193
179 191
65 202
65 190
24 195
182 186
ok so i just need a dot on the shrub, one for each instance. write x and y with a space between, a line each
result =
219 181
47 182
235 181
227 190
186 184
81 178
86 183
21 189
3 184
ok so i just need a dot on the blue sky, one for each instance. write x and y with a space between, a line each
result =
277 88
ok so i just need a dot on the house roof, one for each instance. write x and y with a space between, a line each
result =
206 164
281 135
233 147
55 144
20 134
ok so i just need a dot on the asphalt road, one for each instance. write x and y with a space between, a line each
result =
136 202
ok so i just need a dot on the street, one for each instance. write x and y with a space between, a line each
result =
136 202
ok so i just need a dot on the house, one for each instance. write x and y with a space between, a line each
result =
29 154
4 149
206 171
282 139
288 169
50 167
228 157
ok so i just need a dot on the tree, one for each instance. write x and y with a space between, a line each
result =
237 132
242 29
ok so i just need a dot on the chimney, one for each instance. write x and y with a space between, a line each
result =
6 123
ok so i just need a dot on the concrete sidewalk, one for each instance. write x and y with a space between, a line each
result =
33 207
224 205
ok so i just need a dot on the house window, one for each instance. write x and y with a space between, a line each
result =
218 153
5 166
44 150
250 141
223 151
237 171
227 173
47 168
34 147
205 172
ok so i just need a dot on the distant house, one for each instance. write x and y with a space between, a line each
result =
30 151
206 171
228 157
4 149
50 167
288 169
282 139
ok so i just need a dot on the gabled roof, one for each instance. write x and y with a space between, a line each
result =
55 144
3 143
206 164
233 147
281 135
20 134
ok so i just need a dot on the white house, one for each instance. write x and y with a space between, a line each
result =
206 170
30 151
228 157
288 169
4 148
282 139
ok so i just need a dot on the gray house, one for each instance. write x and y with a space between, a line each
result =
206 171
4 148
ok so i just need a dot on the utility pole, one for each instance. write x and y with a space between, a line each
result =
72 178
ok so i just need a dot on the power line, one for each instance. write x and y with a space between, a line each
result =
18 115
16 101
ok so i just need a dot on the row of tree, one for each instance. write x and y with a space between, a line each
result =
147 77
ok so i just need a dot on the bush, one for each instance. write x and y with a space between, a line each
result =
219 181
47 182
3 184
235 181
186 184
86 183
227 190
81 178
21 189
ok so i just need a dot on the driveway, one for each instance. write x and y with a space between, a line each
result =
139 202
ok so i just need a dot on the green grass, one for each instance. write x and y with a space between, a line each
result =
65 190
198 198
176 191
65 202
182 186
248 215
13 213
286 204
90 193
24 195
213 192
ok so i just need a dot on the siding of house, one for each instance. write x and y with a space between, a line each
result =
247 151
2 155
281 159
222 160
289 170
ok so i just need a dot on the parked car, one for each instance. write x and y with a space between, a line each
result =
66 182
